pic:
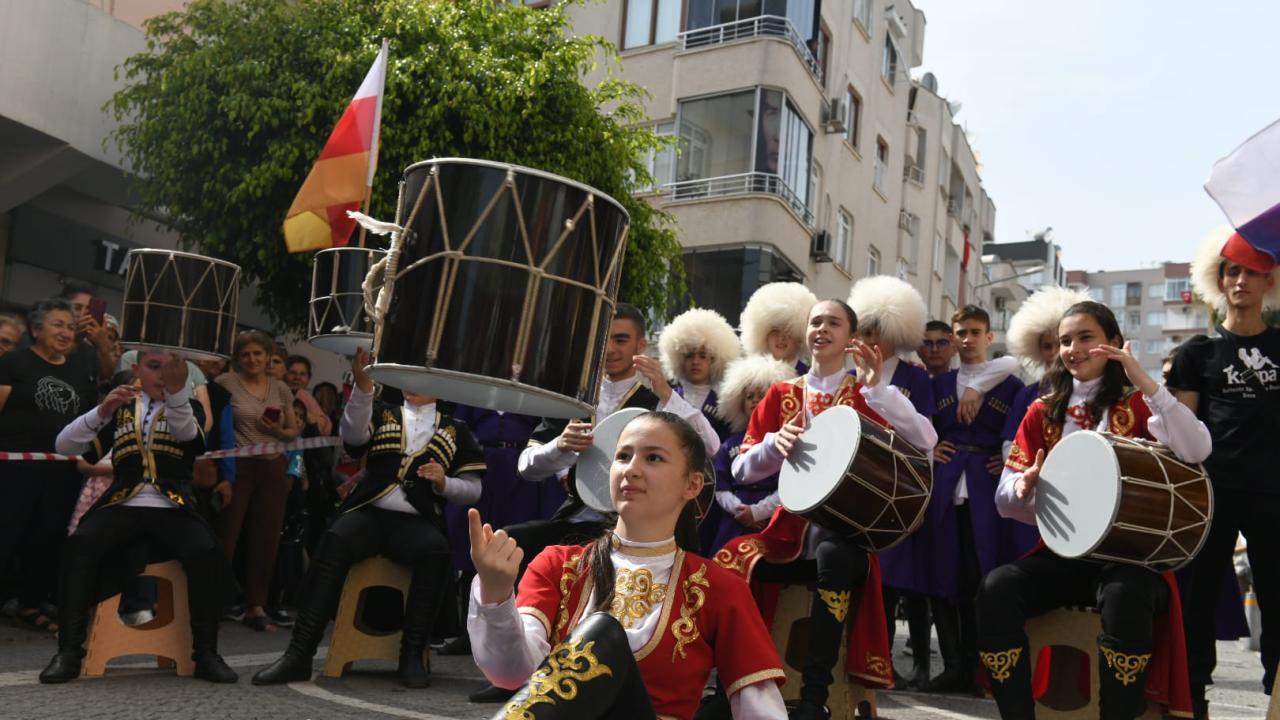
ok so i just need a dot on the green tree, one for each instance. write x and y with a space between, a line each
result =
227 109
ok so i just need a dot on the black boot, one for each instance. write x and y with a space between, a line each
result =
324 585
64 666
421 605
1122 683
917 608
954 677
73 629
1009 668
204 645
827 613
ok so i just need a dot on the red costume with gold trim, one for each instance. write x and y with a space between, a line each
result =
782 540
707 621
1167 679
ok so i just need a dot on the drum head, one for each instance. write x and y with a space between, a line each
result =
818 463
592 477
1078 494
342 343
479 391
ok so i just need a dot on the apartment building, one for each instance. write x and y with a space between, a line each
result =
1012 271
1155 307
806 150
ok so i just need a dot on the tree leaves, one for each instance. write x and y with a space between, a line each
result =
228 108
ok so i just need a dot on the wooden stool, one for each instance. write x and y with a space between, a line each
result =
352 638
848 698
168 636
1076 628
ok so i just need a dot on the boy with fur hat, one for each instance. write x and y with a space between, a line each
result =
1232 381
695 348
774 322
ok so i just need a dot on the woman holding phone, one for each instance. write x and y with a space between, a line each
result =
262 411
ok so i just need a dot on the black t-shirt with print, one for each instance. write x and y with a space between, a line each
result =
1238 379
44 398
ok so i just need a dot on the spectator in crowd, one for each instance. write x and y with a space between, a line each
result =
213 479
297 375
42 388
262 407
113 337
12 328
91 329
330 400
275 363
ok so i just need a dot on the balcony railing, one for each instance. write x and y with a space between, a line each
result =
914 173
740 184
759 26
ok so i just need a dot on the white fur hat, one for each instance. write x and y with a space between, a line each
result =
781 305
1204 270
893 306
1038 315
753 372
694 329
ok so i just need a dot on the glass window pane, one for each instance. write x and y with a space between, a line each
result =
726 11
777 8
639 13
668 21
769 146
701 14
715 136
802 16
748 9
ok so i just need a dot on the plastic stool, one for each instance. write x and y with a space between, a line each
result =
848 698
168 636
352 638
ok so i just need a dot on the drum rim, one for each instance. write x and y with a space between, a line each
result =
586 408
320 336
181 253
1093 435
857 442
187 353
351 248
630 414
525 169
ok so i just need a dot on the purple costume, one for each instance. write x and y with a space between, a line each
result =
1021 402
724 527
936 560
505 499
897 563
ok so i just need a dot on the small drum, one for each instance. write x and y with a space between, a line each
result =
503 288
592 476
338 321
1117 499
854 477
180 301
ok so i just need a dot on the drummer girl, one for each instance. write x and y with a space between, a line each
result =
646 644
1094 384
774 431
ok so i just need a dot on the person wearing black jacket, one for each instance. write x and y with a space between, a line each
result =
417 458
153 434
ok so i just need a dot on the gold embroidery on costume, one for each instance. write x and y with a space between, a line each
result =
685 629
637 551
1052 433
877 665
790 406
746 550
1126 666
634 595
1122 421
559 675
1018 459
999 664
566 581
837 602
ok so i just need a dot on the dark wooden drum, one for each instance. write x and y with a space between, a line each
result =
1117 499
338 320
502 289
180 301
854 477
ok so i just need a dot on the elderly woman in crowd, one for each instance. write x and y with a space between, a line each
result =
12 328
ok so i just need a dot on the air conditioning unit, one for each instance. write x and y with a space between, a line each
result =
820 246
833 114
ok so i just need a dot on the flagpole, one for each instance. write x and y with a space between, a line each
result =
364 208
376 145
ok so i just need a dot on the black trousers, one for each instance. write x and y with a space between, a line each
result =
39 498
956 618
1127 596
174 533
1257 516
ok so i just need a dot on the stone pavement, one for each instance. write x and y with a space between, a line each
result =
132 689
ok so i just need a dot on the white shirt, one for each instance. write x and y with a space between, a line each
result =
982 377
695 395
508 645
1171 423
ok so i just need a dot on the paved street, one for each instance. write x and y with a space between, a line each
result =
136 691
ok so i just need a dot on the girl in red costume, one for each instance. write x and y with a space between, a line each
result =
1093 385
631 625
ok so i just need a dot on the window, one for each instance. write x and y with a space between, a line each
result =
844 240
1155 319
1117 295
862 13
873 261
715 136
937 254
707 13
1156 290
1133 293
661 163
903 268
1097 294
1174 287
944 171
853 115
1155 346
649 22
882 167
821 50
889 62
1133 320
723 279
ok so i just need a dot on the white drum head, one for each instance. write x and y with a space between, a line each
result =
592 477
344 344
818 463
1078 494
479 391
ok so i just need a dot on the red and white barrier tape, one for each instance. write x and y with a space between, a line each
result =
247 451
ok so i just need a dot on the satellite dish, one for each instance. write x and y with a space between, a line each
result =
930 82
955 107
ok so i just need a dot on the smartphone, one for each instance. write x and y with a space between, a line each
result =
97 309
272 414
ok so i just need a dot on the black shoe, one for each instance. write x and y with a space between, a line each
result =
289 668
491 694
280 617
411 671
900 682
809 711
950 681
235 613
63 667
460 645
211 667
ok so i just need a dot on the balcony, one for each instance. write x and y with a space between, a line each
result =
914 173
740 184
760 26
